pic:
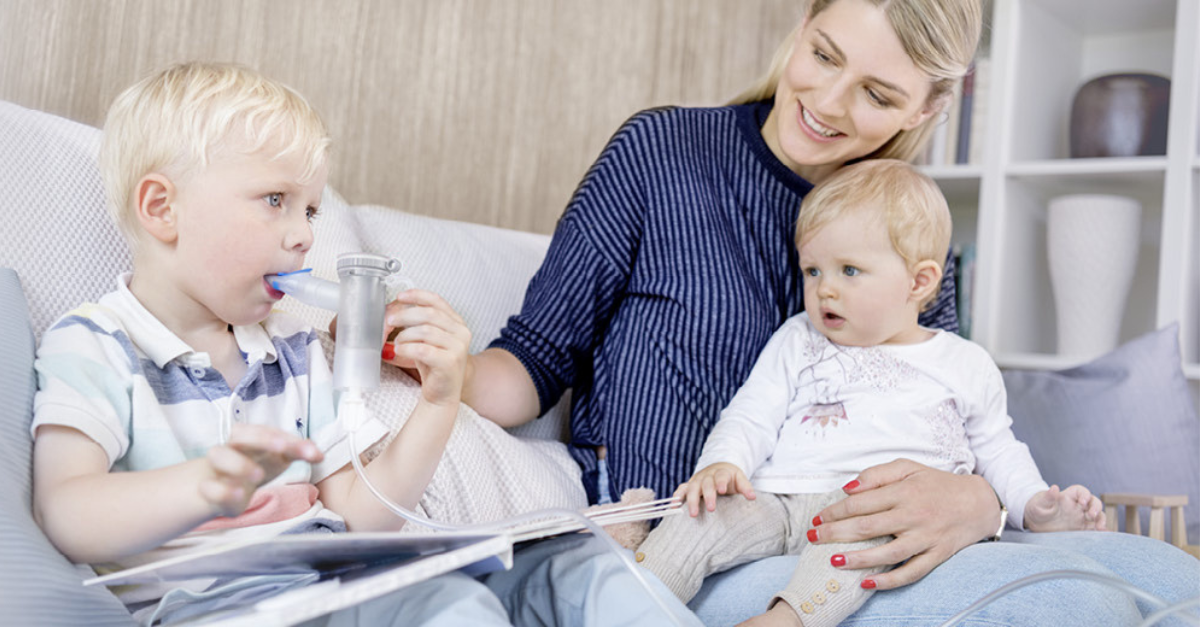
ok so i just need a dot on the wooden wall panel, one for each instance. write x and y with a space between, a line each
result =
482 110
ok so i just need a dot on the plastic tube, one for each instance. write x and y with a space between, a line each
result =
308 289
1120 584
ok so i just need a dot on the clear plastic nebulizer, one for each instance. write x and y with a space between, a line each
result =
359 298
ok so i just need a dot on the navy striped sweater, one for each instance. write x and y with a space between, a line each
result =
668 272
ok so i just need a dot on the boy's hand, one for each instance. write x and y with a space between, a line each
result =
254 455
1073 509
718 479
432 344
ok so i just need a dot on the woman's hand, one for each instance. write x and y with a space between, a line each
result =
716 479
933 514
431 344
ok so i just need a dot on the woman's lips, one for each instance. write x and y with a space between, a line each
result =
813 127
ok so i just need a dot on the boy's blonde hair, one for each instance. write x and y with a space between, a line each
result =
175 120
908 202
940 36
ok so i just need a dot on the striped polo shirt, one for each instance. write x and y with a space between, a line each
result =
669 270
117 374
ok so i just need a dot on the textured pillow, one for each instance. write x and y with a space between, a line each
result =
57 234
40 586
1122 423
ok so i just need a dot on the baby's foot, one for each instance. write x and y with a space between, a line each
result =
1073 509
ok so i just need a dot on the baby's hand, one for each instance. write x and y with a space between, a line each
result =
1073 509
708 482
432 344
254 455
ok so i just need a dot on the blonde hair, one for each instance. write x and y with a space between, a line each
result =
908 202
178 118
940 36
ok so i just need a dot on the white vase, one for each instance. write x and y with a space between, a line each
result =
1092 243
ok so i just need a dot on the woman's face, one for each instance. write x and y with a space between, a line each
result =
847 89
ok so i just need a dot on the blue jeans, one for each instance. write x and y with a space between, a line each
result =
977 570
449 600
575 581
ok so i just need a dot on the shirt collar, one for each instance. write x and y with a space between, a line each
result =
161 345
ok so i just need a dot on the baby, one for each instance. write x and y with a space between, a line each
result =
851 382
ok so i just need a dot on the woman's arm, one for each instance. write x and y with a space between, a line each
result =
933 514
499 387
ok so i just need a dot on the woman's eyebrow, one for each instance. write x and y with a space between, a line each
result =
842 56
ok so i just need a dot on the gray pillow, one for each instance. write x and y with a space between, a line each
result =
40 586
1122 423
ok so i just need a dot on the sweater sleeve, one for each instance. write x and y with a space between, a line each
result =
1000 457
573 296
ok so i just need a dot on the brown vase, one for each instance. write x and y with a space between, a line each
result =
1121 115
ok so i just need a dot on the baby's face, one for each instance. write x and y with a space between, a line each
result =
241 218
857 288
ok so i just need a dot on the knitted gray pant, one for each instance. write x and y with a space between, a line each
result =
682 551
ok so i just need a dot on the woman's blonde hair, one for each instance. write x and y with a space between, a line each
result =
907 201
940 36
177 118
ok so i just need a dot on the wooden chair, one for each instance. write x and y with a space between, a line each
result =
1173 504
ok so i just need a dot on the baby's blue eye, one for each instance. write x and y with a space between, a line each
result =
311 212
274 199
851 271
812 272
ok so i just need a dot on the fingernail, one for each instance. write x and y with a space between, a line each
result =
868 584
850 486
838 560
389 351
812 535
816 521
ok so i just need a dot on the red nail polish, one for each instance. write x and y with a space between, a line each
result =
389 351
812 535
850 486
868 584
838 560
816 521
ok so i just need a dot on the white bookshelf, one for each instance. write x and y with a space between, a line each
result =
1040 52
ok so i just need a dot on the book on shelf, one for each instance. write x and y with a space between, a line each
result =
966 102
981 83
958 136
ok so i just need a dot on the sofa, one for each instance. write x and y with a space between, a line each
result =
1124 423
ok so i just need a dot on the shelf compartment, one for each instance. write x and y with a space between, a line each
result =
960 185
1065 43
1024 306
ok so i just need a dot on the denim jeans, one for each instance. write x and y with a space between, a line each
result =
977 570
575 581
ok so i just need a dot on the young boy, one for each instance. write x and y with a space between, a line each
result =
180 410
851 382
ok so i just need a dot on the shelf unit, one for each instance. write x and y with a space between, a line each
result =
1041 51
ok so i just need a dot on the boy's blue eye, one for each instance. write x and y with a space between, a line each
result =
311 212
812 272
850 271
274 199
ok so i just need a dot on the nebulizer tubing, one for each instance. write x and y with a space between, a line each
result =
1159 604
359 297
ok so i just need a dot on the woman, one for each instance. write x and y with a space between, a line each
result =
672 265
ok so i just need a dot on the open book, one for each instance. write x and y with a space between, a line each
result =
334 554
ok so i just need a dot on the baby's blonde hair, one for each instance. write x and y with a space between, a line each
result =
908 203
178 118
